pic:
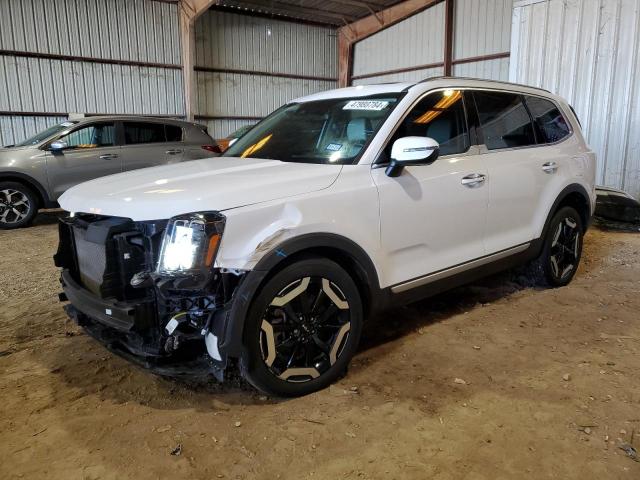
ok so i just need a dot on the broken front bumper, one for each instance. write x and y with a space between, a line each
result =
129 329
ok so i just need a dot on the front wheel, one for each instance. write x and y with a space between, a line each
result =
18 205
303 329
562 248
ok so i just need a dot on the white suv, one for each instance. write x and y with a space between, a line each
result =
272 257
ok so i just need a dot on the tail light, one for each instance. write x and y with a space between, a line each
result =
212 148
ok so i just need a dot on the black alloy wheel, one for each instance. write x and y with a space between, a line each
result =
563 247
304 328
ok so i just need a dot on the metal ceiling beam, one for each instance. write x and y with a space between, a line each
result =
286 9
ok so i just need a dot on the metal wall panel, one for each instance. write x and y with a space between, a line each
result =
497 69
43 85
229 41
481 27
418 40
141 31
14 129
232 41
588 51
136 30
412 76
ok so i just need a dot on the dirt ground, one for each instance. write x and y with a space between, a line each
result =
493 381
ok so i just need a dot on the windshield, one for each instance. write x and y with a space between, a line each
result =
42 136
325 131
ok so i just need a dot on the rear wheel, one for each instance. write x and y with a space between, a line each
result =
18 205
303 329
562 247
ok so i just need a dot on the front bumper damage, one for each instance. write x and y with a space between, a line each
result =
170 331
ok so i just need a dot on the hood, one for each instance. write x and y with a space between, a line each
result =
199 185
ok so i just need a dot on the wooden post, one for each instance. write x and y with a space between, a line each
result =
360 29
448 37
188 12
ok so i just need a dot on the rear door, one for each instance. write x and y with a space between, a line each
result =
433 216
146 144
521 162
91 152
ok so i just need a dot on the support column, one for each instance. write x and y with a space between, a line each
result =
448 37
188 12
360 29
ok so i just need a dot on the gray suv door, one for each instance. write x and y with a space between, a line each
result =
91 152
147 144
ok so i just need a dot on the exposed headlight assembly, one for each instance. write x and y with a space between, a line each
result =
190 245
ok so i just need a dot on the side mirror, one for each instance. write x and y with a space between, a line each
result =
411 151
58 146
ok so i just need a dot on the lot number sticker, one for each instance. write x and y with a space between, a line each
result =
375 105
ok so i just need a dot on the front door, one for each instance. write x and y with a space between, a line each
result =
433 216
91 152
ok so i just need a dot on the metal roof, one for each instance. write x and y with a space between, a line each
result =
327 12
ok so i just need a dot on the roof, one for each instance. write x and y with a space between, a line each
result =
433 82
327 12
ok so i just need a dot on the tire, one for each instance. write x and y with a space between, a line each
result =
18 205
562 248
302 330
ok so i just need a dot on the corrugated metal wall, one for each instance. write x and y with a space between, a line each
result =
588 51
482 27
418 40
254 62
97 34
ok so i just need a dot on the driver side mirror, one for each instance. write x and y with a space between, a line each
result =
58 146
411 151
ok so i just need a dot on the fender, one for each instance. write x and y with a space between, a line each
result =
30 181
234 317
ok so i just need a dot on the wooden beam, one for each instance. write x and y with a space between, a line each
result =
367 26
188 12
448 37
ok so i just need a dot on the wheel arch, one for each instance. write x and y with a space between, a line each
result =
342 250
39 190
348 254
575 196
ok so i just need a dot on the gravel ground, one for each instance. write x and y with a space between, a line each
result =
492 381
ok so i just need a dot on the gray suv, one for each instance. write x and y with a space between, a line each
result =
34 173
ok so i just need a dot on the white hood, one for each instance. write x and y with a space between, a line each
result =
200 185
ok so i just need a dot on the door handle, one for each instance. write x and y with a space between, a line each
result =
473 180
173 152
550 167
108 156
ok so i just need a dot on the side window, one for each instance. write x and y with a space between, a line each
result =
92 136
140 132
173 133
440 116
504 120
550 125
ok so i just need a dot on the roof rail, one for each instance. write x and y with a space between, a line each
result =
451 77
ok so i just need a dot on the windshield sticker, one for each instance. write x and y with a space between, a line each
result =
374 105
333 147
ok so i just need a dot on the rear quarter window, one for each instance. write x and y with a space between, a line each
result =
551 126
174 133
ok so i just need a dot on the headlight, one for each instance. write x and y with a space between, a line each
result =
190 244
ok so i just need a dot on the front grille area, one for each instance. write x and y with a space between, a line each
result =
104 253
91 260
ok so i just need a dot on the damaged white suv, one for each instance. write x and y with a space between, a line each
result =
339 204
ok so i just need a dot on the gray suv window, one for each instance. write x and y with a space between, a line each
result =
504 120
142 132
550 125
92 136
